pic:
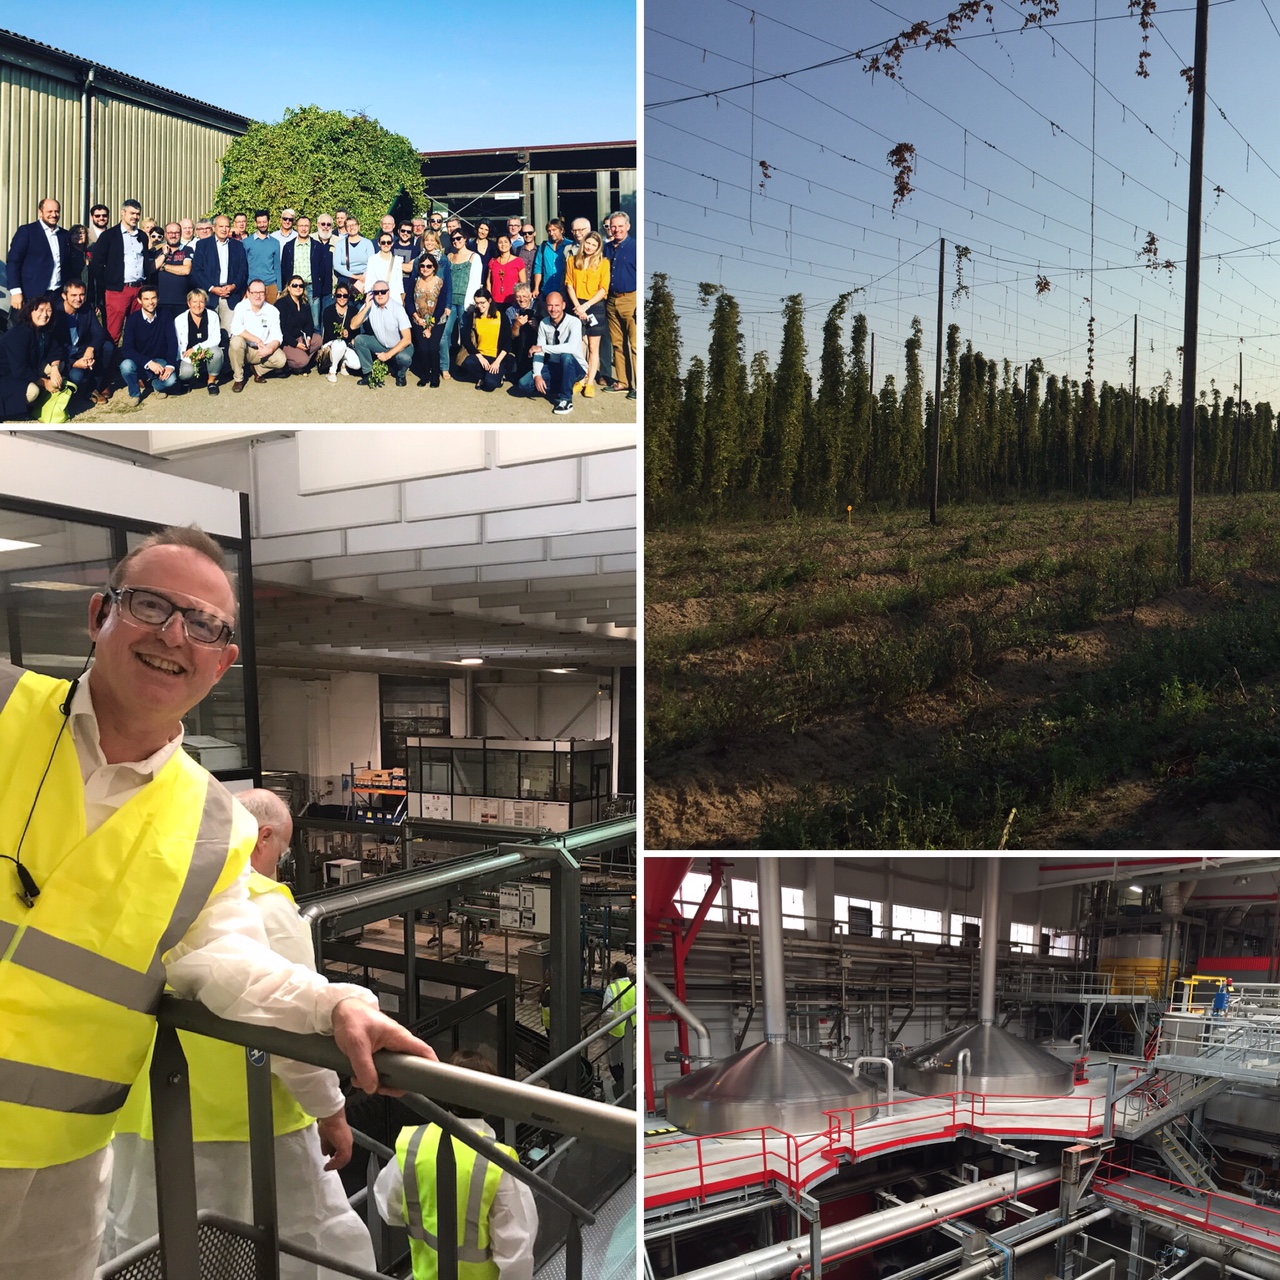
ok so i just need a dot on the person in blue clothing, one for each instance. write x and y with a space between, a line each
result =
221 269
548 265
263 251
148 349
1222 998
41 257
88 348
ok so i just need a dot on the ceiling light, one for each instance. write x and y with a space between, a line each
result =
55 586
11 544
1137 888
471 662
561 671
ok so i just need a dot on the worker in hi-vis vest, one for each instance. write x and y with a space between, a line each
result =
619 996
312 1206
123 866
497 1219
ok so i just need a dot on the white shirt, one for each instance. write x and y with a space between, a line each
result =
513 1219
387 323
215 332
224 253
224 959
391 272
570 331
51 234
133 268
263 324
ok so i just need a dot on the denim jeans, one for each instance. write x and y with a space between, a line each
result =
559 372
134 375
367 345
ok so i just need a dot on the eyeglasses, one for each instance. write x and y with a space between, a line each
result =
528 231
342 297
457 239
284 217
426 266
295 286
154 610
385 243
406 231
378 293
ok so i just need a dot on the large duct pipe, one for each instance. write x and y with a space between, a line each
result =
873 1228
769 898
1258 1261
990 943
682 1010
996 1261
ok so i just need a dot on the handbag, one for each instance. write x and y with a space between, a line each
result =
54 409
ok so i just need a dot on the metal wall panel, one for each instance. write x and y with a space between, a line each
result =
170 164
41 145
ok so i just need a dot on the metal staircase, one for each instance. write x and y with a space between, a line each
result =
1186 1163
1161 1099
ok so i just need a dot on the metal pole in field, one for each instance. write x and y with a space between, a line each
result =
1190 322
1133 425
1235 451
937 393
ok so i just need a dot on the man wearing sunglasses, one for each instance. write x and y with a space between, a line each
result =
157 891
386 337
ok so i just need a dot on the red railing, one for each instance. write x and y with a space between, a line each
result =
1214 1211
855 1133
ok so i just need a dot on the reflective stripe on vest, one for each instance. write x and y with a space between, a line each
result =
80 971
477 1184
216 1076
619 996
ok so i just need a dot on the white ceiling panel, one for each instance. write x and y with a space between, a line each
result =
577 517
515 445
609 475
593 544
329 461
422 533
282 508
538 484
299 546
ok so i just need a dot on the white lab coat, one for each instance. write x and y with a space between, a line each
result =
513 1220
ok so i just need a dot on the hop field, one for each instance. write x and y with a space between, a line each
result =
1021 677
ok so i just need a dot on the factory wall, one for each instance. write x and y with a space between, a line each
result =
531 705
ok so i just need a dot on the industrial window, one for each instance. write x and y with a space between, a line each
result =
957 928
692 890
410 708
745 903
1023 937
1063 944
792 901
926 925
842 911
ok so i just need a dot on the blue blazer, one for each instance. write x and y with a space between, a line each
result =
321 267
30 264
204 271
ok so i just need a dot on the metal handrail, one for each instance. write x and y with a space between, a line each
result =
561 1112
569 1054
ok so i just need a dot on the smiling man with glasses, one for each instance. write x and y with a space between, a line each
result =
256 339
135 864
387 335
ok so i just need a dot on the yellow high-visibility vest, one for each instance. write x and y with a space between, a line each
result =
619 996
477 1180
81 970
216 1074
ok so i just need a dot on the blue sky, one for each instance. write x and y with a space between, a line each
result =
1040 151
446 79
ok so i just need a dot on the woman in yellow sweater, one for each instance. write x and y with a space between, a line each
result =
485 353
586 279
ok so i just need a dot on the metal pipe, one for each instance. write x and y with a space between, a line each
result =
682 1010
782 1259
964 1064
990 943
1265 1267
888 1066
563 1112
1186 1271
1109 1266
984 1268
769 900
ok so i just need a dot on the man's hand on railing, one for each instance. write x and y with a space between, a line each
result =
360 1031
336 1140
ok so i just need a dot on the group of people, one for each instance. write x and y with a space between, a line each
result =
163 308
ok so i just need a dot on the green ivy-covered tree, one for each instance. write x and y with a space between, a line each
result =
790 402
314 160
726 393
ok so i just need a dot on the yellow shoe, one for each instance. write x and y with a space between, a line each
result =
577 387
589 389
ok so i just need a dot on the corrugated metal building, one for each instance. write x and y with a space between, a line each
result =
572 180
87 134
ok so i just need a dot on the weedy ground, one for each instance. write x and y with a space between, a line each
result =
1021 676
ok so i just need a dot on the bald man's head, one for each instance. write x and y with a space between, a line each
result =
275 829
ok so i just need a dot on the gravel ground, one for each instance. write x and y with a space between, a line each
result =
314 399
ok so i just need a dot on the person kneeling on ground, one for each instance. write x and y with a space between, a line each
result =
557 358
84 339
199 341
31 360
387 336
297 328
148 349
497 1220
255 336
522 320
486 343
341 325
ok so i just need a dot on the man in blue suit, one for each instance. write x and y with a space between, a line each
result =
41 258
221 269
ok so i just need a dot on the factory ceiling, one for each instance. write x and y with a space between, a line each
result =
412 551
